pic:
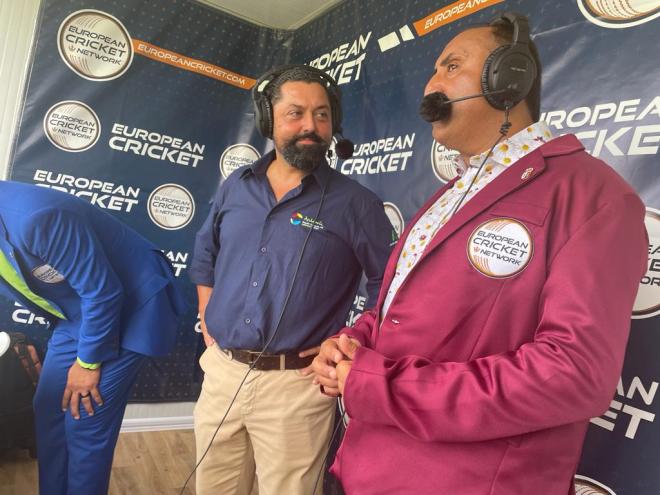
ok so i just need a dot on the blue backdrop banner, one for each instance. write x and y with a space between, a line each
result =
143 108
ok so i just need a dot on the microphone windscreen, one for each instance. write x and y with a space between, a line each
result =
344 148
435 107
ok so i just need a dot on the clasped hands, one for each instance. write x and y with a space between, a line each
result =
333 364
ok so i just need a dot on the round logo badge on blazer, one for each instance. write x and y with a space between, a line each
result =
47 274
500 248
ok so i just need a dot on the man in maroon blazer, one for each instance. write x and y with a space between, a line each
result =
503 317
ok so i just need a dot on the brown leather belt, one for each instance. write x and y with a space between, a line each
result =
268 362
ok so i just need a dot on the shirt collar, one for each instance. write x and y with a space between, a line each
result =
321 173
511 149
260 166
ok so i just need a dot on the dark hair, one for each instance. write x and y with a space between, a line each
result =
503 32
274 90
268 90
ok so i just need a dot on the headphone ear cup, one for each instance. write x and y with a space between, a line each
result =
517 73
258 116
335 108
263 111
267 119
263 116
511 70
489 81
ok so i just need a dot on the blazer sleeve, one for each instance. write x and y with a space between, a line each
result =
566 374
63 239
361 329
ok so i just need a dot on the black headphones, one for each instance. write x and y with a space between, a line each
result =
262 95
509 70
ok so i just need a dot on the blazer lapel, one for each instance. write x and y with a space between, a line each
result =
518 175
390 269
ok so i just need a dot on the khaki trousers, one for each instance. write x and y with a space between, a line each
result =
280 423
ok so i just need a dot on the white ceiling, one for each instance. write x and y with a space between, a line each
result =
277 14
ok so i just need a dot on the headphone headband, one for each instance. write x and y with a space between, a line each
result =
520 26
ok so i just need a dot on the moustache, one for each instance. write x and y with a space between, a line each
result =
309 135
435 107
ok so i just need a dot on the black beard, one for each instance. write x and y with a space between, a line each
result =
307 157
434 107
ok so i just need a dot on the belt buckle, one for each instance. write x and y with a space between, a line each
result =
252 357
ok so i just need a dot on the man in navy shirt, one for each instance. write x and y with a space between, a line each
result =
277 264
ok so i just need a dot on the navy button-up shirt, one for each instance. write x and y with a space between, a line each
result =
249 246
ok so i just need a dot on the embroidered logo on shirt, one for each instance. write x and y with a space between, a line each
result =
500 248
298 219
47 274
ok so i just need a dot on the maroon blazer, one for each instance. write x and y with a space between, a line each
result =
505 338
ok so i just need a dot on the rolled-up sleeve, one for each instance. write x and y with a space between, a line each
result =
207 244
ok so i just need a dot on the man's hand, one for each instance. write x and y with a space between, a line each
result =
208 340
343 369
81 386
308 352
348 345
333 351
204 295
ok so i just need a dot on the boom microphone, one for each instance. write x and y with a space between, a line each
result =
437 106
344 148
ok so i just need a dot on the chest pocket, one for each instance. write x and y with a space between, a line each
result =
319 240
326 252
524 212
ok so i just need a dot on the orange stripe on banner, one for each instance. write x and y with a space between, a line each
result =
193 65
451 13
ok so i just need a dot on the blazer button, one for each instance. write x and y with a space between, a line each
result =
395 321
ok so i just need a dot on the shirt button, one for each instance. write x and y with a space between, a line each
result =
247 321
254 284
263 249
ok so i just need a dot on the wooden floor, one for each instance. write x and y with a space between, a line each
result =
145 463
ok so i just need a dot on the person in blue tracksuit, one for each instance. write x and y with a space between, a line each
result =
111 300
